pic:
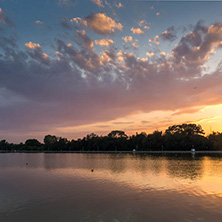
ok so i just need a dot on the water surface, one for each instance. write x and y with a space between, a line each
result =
122 187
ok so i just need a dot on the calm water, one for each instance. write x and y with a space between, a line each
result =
61 187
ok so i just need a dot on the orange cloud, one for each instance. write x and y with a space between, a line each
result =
128 38
119 5
150 54
32 45
98 3
156 40
137 31
100 23
45 56
163 53
104 42
141 23
38 22
135 45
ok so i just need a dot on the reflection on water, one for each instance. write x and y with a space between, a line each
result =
188 168
122 187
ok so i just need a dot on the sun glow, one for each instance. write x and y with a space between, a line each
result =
209 117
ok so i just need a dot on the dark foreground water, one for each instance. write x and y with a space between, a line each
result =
61 187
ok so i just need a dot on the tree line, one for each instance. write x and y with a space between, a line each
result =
182 137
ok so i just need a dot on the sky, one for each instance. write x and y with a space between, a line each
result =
69 68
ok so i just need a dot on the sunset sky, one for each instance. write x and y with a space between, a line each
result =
69 67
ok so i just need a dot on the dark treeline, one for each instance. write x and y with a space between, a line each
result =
177 137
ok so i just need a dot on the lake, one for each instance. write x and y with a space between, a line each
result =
110 187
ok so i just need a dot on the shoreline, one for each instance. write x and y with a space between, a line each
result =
116 152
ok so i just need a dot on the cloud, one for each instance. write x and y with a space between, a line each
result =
98 3
86 40
104 42
150 54
32 45
63 2
155 40
76 20
36 53
144 59
195 48
6 43
163 53
102 24
187 110
4 18
141 23
135 45
66 23
82 87
39 22
128 38
67 3
169 34
119 5
120 123
137 31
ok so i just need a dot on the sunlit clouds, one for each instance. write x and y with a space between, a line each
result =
137 31
39 22
104 42
119 5
169 34
100 23
98 2
128 38
32 45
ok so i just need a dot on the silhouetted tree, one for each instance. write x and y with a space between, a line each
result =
32 143
155 141
176 137
4 145
215 141
50 142
186 129
117 134
185 137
